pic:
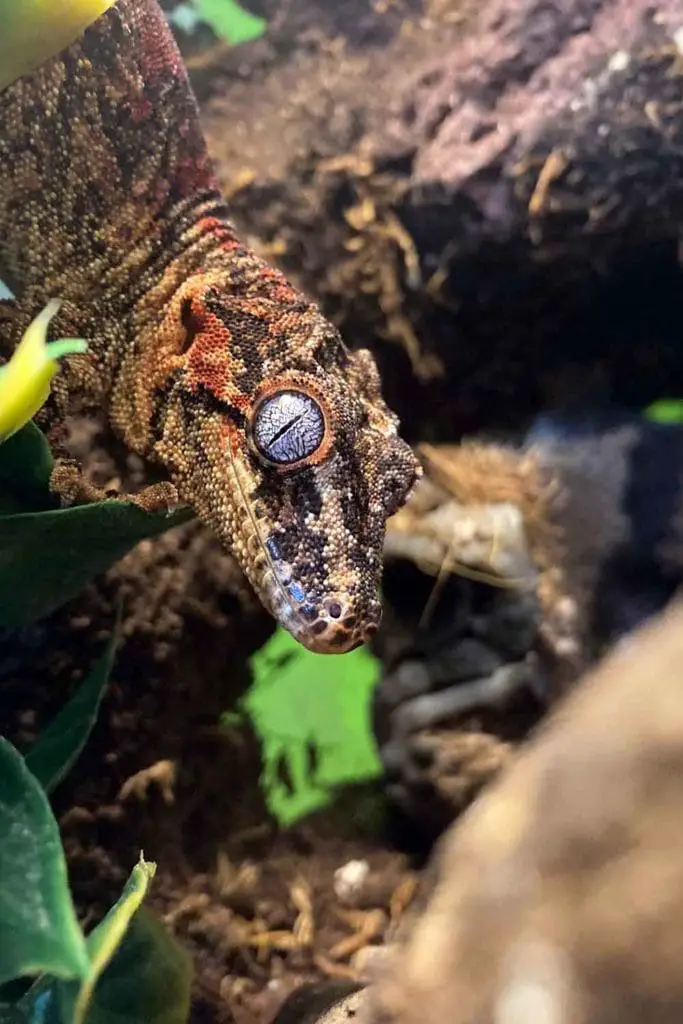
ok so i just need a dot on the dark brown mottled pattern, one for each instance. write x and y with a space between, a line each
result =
108 202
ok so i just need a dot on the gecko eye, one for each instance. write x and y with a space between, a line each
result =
288 426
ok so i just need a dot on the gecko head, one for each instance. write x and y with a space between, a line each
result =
292 457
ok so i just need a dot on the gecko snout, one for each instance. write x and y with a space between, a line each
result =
338 629
335 627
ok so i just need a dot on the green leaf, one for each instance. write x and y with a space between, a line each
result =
667 410
10 1014
140 974
300 699
46 558
57 748
230 21
12 991
62 548
106 938
38 926
25 468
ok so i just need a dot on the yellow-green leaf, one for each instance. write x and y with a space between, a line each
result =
35 30
104 940
146 978
25 381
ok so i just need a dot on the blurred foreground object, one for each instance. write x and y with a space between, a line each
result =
35 30
558 896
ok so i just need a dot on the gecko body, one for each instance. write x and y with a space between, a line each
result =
206 359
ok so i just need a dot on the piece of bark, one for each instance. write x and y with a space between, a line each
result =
497 188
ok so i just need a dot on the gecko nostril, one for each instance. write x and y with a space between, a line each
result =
342 638
329 636
334 609
371 624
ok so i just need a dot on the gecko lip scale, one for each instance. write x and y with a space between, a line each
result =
332 631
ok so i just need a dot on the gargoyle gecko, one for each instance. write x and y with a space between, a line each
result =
206 359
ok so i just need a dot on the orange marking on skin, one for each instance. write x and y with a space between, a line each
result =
230 245
230 436
209 362
282 291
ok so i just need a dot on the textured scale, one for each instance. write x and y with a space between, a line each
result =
109 203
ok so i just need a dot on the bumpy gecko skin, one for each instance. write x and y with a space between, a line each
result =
207 360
